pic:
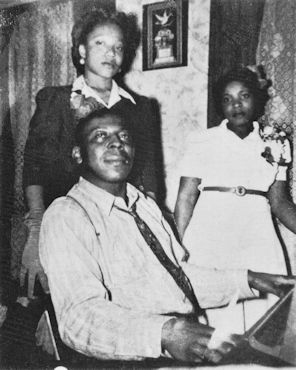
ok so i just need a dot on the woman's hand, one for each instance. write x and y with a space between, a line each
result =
270 283
31 266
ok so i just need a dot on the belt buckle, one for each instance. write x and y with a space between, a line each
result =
240 191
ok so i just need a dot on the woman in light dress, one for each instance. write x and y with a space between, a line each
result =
233 183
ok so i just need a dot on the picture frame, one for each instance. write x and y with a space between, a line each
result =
165 34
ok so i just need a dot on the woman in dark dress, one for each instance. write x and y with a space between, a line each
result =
103 45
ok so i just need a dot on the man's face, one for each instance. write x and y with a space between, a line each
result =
108 153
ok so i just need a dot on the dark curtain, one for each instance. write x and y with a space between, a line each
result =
7 18
234 32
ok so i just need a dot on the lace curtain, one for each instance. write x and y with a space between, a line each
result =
277 52
39 55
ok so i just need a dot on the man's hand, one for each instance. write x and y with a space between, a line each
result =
270 283
188 340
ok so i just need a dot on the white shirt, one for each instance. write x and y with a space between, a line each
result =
115 94
220 158
110 292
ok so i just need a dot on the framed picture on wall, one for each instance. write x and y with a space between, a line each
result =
165 33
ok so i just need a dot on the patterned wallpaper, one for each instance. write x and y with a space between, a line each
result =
276 51
181 92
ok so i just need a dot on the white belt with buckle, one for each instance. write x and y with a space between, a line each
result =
238 190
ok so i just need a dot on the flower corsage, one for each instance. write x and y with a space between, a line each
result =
276 145
82 105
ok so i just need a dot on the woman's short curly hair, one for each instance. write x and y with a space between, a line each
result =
258 86
96 17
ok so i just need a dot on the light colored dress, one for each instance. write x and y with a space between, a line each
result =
226 230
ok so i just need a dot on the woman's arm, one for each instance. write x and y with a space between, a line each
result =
31 267
34 197
36 158
187 197
281 206
43 134
148 172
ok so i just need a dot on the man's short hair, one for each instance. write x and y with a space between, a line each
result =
124 112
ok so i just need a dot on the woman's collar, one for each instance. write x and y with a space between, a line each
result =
116 91
223 124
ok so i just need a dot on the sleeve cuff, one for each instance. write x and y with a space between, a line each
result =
150 333
241 277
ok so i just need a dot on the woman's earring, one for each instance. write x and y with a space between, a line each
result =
81 61
78 158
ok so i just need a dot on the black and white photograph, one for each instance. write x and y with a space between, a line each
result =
147 184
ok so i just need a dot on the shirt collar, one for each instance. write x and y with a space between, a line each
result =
107 201
115 95
255 131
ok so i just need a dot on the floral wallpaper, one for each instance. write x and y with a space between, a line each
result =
181 92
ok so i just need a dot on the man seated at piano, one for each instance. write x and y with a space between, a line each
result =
120 285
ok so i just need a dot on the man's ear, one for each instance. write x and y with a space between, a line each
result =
76 154
82 51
